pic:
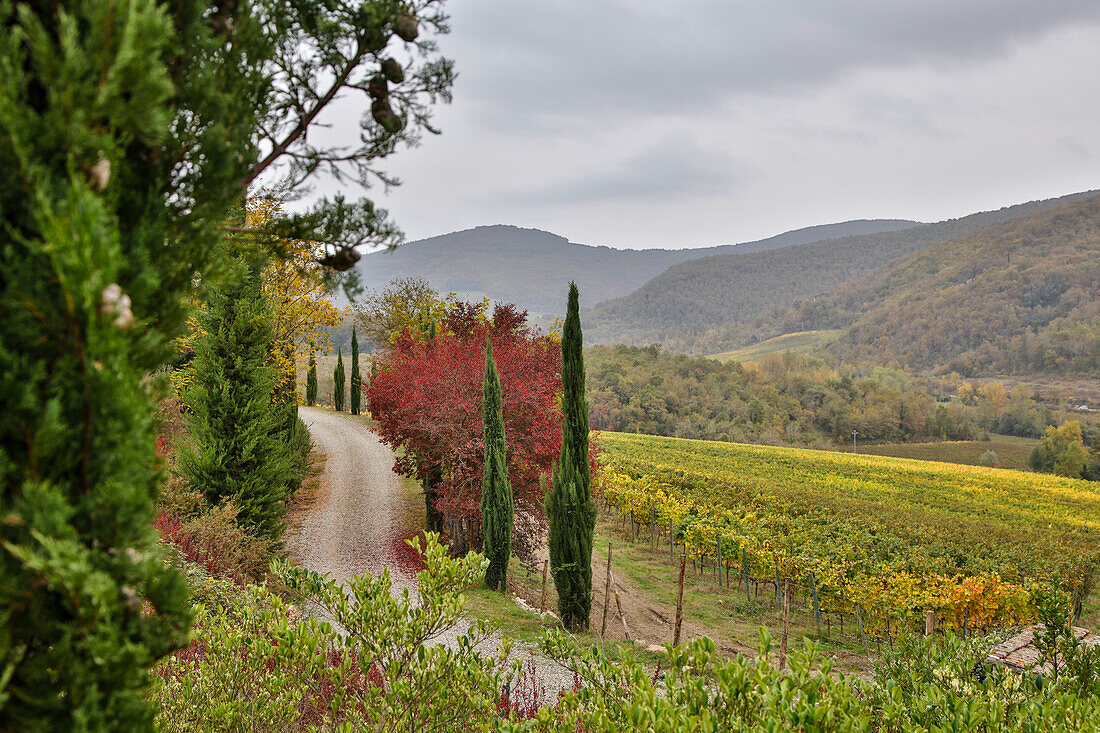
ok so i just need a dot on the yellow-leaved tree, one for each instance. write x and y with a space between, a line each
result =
293 283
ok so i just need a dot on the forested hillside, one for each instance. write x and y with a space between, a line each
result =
529 267
716 303
787 400
1018 297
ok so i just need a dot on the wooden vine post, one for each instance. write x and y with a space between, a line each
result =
929 622
542 601
719 558
619 606
817 606
745 568
778 581
680 601
786 623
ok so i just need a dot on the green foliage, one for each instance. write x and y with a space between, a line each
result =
786 398
569 508
311 378
1055 611
698 690
338 383
374 662
919 685
240 441
497 511
356 383
1061 451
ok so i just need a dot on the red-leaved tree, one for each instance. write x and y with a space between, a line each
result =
426 397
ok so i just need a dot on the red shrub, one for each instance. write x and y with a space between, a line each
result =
207 554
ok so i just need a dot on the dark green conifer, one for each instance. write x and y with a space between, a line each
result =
355 392
569 508
311 378
239 446
496 492
338 382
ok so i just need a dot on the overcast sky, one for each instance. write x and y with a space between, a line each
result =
677 123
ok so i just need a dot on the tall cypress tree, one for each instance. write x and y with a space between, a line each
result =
239 448
338 382
570 510
496 492
311 378
355 391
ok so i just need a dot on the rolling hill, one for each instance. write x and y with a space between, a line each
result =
719 302
530 267
1018 297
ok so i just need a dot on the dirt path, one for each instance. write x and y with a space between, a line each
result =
360 516
358 521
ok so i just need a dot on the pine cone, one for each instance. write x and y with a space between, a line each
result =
377 88
383 114
393 71
405 27
341 260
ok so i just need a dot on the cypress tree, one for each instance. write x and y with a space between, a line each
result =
338 382
311 378
570 510
496 492
355 392
239 446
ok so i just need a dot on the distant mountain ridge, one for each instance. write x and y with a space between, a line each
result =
721 302
531 267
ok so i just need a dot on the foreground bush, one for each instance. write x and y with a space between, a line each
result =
368 664
919 686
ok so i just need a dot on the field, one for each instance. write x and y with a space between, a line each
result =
887 538
1012 452
803 342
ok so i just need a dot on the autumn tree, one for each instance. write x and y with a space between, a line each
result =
569 507
407 305
338 383
355 389
496 493
296 286
1061 451
131 133
426 397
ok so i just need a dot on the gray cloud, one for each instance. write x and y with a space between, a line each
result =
557 58
669 170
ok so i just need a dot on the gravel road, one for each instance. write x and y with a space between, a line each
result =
362 514
359 521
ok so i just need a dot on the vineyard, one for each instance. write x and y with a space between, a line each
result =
883 539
